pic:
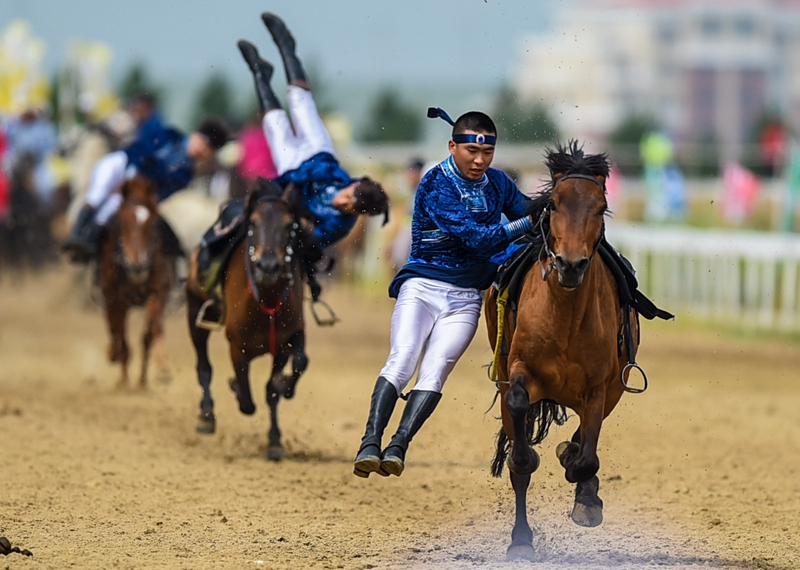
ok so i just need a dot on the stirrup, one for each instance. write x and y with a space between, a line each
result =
209 325
331 320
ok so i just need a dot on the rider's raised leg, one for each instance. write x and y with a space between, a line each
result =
295 74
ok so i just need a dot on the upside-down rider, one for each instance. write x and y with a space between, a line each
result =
304 155
160 153
455 229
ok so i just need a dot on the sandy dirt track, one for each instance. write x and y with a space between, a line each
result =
701 471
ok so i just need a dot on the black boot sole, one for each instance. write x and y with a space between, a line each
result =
366 465
392 466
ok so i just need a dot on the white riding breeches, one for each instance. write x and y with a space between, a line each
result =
290 146
437 318
108 175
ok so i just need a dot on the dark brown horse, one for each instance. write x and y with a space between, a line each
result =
135 271
566 348
263 300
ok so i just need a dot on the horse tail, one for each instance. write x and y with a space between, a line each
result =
501 453
541 416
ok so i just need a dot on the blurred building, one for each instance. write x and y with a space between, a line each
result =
706 70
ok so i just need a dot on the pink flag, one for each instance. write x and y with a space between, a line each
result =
739 192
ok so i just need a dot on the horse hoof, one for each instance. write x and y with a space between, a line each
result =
275 452
521 552
566 451
587 515
247 408
206 423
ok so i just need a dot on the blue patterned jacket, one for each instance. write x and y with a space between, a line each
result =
159 153
317 180
456 227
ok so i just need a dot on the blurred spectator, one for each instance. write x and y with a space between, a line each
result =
772 148
400 238
3 178
33 136
256 158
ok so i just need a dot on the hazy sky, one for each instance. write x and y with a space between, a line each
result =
382 40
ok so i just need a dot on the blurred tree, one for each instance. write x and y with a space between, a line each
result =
137 80
391 119
215 99
522 122
624 142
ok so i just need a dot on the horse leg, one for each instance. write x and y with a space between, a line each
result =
241 384
523 459
154 331
299 363
521 547
116 314
207 422
274 447
579 458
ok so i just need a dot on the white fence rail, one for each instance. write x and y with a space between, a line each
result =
743 277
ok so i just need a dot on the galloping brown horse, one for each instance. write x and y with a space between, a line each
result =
567 349
263 300
136 271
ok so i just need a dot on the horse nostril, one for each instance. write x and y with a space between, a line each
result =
269 265
561 265
581 266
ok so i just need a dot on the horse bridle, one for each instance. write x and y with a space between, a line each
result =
546 251
250 256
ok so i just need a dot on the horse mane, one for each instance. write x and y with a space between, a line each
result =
570 159
561 161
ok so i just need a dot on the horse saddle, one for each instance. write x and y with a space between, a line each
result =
218 244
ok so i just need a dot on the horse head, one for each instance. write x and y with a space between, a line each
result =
272 232
577 206
138 228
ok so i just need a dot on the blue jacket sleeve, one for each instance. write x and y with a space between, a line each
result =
450 216
331 229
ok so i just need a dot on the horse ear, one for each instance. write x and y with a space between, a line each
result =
248 199
288 192
602 180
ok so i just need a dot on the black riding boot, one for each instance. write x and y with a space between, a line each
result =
368 459
313 283
419 407
82 244
262 73
286 45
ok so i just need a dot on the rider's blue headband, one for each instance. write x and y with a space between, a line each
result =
437 113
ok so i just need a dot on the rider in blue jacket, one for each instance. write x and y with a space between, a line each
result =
456 227
304 155
163 154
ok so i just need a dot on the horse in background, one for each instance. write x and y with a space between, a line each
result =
261 306
136 270
567 350
26 239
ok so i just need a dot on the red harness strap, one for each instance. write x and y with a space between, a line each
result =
272 312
